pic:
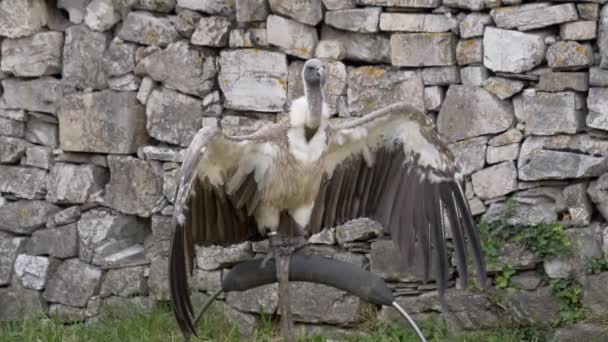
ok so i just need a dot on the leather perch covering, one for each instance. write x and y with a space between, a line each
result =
313 269
319 270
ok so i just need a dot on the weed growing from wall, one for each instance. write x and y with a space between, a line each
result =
597 265
544 239
569 292
503 278
547 239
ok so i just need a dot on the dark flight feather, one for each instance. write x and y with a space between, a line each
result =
412 201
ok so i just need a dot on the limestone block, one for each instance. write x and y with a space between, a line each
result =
292 37
33 56
423 49
73 283
470 111
83 58
135 186
364 19
145 28
244 89
104 122
307 12
181 67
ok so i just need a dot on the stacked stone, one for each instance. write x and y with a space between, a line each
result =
100 97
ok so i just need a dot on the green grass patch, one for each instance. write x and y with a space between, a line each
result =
159 325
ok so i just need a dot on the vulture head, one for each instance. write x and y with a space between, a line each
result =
313 72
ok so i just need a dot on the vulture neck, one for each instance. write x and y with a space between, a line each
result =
314 98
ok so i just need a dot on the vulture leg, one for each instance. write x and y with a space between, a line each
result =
281 252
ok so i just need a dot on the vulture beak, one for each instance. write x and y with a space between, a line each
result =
321 73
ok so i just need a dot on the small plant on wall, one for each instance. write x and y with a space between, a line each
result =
503 278
547 239
570 293
597 265
542 239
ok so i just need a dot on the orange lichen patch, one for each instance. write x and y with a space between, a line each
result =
283 83
501 10
373 71
469 43
151 37
200 60
369 104
582 50
302 51
498 87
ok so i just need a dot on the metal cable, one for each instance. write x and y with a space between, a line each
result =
207 305
410 320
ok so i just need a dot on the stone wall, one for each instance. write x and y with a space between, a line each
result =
99 97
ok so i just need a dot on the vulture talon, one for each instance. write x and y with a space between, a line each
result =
267 258
389 165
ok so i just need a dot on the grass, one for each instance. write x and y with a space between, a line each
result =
159 325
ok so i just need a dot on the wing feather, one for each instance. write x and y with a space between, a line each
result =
422 232
340 194
349 189
367 189
204 213
376 180
412 183
406 204
386 197
360 187
211 212
316 219
448 199
432 204
332 202
469 229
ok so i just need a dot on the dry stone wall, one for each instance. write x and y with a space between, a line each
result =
100 97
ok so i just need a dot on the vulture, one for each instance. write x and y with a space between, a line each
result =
304 174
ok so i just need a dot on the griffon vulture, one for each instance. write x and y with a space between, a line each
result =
305 174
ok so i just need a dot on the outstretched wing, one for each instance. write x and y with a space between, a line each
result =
216 194
391 166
